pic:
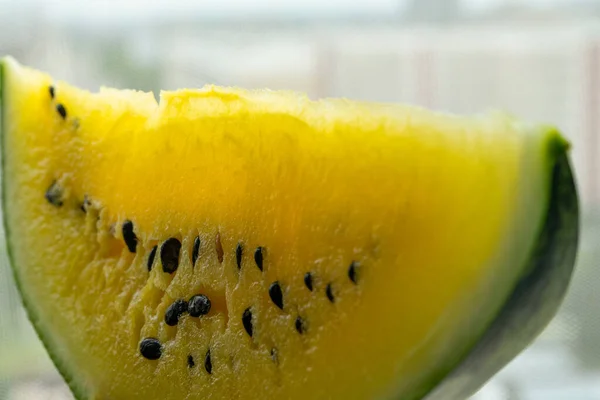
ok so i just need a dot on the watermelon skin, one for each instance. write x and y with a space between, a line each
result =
535 300
532 304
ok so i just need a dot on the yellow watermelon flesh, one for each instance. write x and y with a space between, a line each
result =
232 244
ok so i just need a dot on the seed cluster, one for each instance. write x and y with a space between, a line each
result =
60 108
199 304
55 194
276 295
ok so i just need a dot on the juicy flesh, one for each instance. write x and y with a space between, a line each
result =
425 204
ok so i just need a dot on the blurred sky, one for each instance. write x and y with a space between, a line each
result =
104 11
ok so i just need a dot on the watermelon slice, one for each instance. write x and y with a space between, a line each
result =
229 244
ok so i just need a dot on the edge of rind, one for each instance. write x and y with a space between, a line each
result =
537 296
69 378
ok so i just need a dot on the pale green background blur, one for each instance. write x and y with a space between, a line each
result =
539 59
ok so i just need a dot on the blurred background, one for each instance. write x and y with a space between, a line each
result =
539 59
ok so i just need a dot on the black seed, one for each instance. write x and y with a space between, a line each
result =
169 255
190 361
300 325
195 250
151 258
51 91
258 257
61 110
199 305
275 355
308 281
54 194
238 255
129 236
85 205
329 293
208 362
151 348
353 271
175 311
219 247
276 294
247 321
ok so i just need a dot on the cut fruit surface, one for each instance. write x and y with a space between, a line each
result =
231 244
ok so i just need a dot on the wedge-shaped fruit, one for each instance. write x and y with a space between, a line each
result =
226 244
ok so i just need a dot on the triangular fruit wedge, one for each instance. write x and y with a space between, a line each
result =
232 244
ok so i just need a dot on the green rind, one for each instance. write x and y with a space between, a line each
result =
536 298
69 378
